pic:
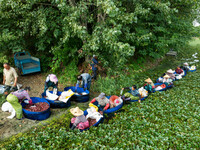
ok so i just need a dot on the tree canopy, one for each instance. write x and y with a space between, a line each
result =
115 30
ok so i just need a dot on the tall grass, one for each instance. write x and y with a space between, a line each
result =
195 42
112 85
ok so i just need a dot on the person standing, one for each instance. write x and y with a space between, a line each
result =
85 80
94 66
9 77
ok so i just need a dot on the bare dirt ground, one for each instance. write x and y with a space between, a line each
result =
9 127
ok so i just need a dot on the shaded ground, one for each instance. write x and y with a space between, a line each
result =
9 127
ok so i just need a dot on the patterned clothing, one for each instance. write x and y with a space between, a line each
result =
103 102
172 76
21 94
179 71
80 119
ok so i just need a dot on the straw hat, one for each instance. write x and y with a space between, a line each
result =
166 76
76 111
170 71
148 80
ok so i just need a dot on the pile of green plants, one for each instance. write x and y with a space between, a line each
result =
165 120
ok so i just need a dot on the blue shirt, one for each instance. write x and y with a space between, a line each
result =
94 64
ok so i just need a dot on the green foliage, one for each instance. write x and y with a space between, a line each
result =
115 30
69 74
3 59
2 99
165 120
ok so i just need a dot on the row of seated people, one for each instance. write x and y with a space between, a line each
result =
94 112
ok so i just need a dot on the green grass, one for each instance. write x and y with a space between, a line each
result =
165 120
195 42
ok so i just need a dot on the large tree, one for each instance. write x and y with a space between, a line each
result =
113 29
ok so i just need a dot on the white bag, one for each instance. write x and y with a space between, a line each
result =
178 77
51 96
158 88
8 107
64 97
143 92
93 114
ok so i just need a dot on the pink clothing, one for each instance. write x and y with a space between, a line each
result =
21 94
81 125
53 78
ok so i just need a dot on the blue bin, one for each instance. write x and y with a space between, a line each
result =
57 104
159 85
185 73
192 70
78 98
114 109
95 125
36 115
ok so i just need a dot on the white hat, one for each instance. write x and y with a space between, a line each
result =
149 80
76 111
170 71
166 76
185 64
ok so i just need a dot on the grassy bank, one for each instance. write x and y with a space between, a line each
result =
165 120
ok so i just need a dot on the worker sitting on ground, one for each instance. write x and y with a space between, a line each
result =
170 73
185 67
101 101
79 121
179 70
149 86
133 93
167 80
85 80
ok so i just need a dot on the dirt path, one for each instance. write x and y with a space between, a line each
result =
9 127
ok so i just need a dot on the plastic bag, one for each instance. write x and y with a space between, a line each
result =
64 97
8 107
143 92
51 96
